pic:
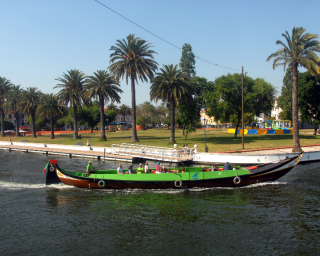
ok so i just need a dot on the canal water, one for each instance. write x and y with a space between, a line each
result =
279 218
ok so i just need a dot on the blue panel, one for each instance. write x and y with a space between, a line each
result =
253 131
286 131
271 131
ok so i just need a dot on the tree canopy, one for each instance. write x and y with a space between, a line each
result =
187 60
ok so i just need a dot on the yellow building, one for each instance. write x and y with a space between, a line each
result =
208 120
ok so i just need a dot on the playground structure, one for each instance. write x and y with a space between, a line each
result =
277 124
271 127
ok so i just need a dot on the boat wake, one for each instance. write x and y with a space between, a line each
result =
19 186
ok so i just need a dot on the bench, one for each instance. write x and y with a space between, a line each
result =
79 143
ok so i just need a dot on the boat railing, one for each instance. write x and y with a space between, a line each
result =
152 152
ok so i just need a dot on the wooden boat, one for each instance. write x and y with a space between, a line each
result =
192 177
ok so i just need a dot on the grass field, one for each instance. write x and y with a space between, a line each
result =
217 140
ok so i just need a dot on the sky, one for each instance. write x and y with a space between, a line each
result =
42 39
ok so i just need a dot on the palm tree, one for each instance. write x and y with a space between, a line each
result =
171 86
5 87
72 84
12 103
103 87
124 110
112 106
29 103
132 58
50 108
299 50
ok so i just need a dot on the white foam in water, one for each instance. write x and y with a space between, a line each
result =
17 186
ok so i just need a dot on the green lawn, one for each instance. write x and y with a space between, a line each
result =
217 140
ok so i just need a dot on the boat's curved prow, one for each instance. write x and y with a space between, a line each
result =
52 177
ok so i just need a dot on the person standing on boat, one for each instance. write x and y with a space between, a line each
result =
90 168
158 167
227 166
140 169
146 168
119 170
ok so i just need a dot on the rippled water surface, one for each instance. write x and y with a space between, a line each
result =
280 218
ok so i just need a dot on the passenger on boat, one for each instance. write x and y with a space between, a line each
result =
146 168
213 168
203 168
183 169
140 169
130 171
158 167
234 167
90 169
119 170
227 166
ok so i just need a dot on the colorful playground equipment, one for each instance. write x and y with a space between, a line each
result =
271 127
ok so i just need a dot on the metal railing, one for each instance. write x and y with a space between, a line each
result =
152 152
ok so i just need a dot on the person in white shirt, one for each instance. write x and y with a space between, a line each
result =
119 170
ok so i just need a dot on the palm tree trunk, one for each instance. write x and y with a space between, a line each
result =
296 142
134 137
172 141
17 123
2 123
75 122
52 128
102 121
33 117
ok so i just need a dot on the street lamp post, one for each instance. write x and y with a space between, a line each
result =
204 131
107 124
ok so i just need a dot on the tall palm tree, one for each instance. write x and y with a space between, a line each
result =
299 50
171 86
5 87
29 103
72 83
12 103
124 110
50 108
112 106
131 58
103 87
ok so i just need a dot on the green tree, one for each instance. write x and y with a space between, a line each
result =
145 113
171 86
124 110
187 60
7 125
89 115
50 108
12 103
299 50
72 83
111 115
103 87
29 103
263 97
309 97
5 87
226 98
112 106
285 99
132 58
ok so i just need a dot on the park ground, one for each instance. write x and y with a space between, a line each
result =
218 140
